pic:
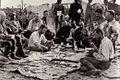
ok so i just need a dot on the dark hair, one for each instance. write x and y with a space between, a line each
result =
99 11
114 1
42 26
12 17
112 12
98 30
45 11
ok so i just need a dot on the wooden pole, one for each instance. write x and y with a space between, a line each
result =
0 4
22 4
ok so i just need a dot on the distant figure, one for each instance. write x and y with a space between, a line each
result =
98 19
32 26
88 14
58 12
76 11
105 5
45 17
34 23
13 24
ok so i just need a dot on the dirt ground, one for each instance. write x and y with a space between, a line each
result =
38 65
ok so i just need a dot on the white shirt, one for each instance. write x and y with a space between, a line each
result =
106 50
36 38
114 24
33 26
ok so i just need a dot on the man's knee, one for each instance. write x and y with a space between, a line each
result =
8 44
83 61
11 41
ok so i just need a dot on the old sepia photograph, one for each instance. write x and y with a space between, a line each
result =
59 39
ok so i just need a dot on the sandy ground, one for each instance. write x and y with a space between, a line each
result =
37 66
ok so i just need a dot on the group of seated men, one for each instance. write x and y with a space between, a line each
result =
102 38
11 41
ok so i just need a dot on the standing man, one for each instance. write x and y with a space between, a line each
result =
75 11
59 13
45 17
88 13
105 5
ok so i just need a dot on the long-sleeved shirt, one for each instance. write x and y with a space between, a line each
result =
36 38
106 50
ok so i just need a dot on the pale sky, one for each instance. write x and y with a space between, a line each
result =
15 3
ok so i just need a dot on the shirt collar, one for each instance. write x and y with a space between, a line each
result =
112 21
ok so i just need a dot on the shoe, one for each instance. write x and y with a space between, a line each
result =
13 56
23 56
93 73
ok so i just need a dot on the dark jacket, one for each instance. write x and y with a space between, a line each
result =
63 32
73 11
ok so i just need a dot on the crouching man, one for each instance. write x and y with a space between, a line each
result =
38 41
101 58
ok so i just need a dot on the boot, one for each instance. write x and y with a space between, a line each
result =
13 56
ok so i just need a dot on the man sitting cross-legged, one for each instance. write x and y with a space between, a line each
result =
100 59
38 41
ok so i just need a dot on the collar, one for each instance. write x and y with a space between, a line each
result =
104 38
113 21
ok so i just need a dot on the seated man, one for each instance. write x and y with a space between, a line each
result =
37 41
63 33
101 59
98 19
45 17
13 41
5 40
49 35
32 26
80 36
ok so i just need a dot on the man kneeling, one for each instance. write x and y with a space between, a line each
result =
100 59
38 42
